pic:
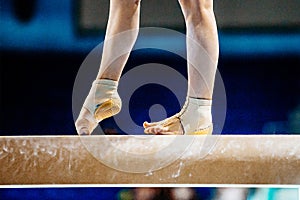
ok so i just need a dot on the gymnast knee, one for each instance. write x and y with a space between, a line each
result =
126 4
196 8
202 4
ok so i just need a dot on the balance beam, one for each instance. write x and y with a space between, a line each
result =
255 159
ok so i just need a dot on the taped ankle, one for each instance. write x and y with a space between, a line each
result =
102 90
195 115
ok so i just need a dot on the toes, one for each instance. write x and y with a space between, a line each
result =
149 130
160 130
151 124
82 127
156 130
147 124
84 131
85 124
159 123
168 133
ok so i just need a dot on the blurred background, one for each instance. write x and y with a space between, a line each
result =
43 43
119 193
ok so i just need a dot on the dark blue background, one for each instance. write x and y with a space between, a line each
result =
81 193
41 54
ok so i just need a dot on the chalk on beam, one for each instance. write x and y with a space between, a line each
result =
232 159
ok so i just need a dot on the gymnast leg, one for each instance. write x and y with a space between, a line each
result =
103 100
202 53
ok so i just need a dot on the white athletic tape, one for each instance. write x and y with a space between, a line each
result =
101 91
196 114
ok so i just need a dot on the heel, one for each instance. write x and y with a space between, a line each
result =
107 109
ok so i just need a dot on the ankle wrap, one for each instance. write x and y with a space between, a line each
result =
195 115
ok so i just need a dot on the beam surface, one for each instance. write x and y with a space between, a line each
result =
255 159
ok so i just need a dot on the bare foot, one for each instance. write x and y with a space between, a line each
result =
169 126
194 118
